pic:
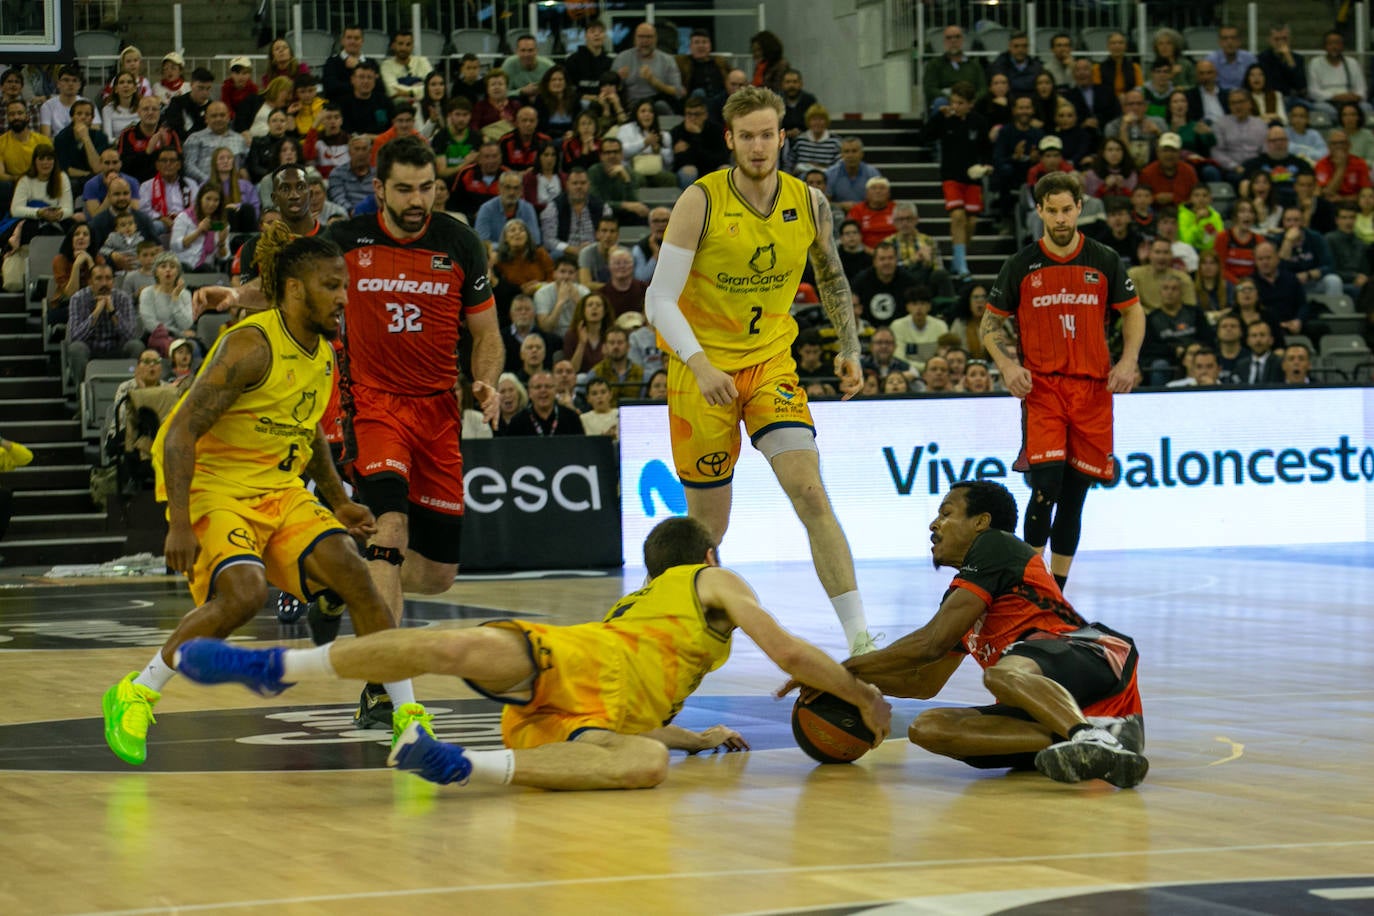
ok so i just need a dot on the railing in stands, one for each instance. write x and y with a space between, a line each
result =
497 16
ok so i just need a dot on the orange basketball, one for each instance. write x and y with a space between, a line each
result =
830 730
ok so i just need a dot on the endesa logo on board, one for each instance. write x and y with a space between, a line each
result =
1191 469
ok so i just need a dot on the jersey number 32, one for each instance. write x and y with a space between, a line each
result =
404 318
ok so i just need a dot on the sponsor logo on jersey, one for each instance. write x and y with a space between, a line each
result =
365 257
440 262
765 259
1064 297
1091 276
789 215
714 464
480 283
1037 281
301 412
240 538
400 284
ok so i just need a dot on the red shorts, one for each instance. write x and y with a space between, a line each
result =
415 438
962 196
1069 419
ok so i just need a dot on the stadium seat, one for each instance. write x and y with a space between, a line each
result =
42 249
1345 352
1340 316
1201 40
103 377
376 44
629 235
430 43
314 47
1223 198
208 326
473 41
1094 40
993 38
935 40
658 197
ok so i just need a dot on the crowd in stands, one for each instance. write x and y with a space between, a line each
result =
166 175
1231 184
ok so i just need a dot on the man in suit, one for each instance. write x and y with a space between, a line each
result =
1260 366
1207 100
1095 105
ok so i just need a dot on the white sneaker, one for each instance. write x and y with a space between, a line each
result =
1092 753
864 644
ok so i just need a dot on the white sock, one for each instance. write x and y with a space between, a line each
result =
492 767
157 674
849 607
307 664
401 692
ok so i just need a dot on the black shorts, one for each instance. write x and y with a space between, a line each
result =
1077 665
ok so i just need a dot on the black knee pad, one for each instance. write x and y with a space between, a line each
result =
392 555
1046 481
436 536
383 493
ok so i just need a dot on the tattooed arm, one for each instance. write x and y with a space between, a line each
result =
1014 375
833 288
241 362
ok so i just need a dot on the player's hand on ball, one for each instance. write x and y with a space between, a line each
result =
357 519
877 713
1018 381
720 738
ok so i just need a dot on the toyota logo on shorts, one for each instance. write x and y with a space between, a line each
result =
714 464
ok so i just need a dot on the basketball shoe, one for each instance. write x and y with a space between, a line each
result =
1129 730
214 661
128 713
374 708
864 643
323 617
289 608
429 758
1092 753
407 713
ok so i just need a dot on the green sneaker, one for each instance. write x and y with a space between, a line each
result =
128 713
406 714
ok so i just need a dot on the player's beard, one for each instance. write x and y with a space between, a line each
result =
408 220
756 174
1063 237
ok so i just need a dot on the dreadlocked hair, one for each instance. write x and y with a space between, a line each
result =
280 256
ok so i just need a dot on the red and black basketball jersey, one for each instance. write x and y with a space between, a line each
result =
1061 306
406 301
1021 595
244 265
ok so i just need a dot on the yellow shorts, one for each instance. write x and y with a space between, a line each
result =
579 684
276 531
706 439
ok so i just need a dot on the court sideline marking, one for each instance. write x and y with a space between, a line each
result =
728 873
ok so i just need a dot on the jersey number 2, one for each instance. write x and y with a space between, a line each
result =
754 322
403 318
1067 322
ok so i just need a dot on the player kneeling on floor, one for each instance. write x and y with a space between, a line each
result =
1067 702
595 712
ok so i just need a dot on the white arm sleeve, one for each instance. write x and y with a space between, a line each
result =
660 302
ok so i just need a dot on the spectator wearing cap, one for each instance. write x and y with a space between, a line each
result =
1051 159
239 89
172 83
1169 178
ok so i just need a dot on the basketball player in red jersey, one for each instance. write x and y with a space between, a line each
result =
1067 700
1059 290
413 281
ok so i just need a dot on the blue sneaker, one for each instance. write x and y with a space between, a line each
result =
418 751
214 661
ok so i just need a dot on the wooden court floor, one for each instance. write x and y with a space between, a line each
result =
1256 672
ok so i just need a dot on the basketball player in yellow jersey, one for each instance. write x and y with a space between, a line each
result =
721 299
228 461
596 710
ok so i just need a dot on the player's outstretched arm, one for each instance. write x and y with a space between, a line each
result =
717 737
725 591
675 257
240 362
919 663
833 288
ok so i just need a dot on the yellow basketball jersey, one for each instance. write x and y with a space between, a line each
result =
263 442
739 295
669 646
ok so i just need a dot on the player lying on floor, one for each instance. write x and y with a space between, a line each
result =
595 712
1067 702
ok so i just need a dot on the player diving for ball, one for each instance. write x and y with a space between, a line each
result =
228 462
721 300
1067 702
596 711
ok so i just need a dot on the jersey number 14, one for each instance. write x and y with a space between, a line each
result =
1067 322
